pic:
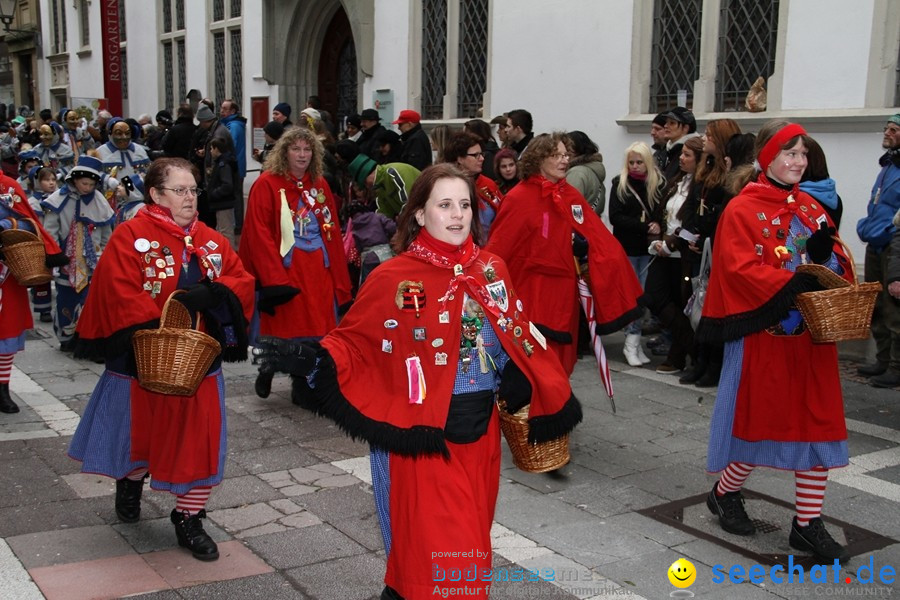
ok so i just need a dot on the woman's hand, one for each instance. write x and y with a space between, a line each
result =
894 289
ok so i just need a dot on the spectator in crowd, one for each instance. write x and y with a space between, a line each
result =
518 130
221 182
354 128
464 150
416 147
271 133
154 140
439 136
230 117
636 192
177 141
658 135
680 126
818 183
876 230
586 172
391 147
499 122
390 183
370 121
488 144
282 114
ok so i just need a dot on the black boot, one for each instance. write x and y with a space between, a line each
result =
711 377
697 370
816 539
128 499
263 385
730 509
6 402
190 534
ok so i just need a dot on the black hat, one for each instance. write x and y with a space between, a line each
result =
683 116
354 120
347 149
370 114
274 129
164 117
660 119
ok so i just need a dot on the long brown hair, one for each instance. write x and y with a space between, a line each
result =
407 226
712 169
277 160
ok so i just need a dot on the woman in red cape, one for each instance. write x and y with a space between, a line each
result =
127 431
291 243
534 233
779 401
413 369
465 150
15 313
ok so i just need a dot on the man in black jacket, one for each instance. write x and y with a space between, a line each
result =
177 141
416 147
370 123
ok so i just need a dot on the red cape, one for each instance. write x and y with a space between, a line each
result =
363 366
533 234
311 312
789 387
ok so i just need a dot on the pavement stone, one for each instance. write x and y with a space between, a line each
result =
295 517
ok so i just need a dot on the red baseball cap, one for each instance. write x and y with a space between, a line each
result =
407 116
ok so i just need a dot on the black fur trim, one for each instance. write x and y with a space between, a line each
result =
116 345
331 403
56 260
733 327
551 427
620 322
223 295
560 337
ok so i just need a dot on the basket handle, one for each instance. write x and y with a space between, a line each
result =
855 282
176 315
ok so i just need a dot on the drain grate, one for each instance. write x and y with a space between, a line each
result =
769 545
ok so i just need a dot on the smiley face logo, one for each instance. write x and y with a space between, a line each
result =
682 573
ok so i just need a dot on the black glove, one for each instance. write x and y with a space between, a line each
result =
819 245
579 247
278 354
515 389
196 298
275 295
56 260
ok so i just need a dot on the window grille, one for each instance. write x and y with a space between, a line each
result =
218 10
747 34
236 67
179 14
347 81
219 66
167 73
182 69
122 36
85 23
167 16
434 58
473 33
123 60
675 61
60 35
235 8
897 86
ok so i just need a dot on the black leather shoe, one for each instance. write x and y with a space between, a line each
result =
730 510
816 539
7 405
872 369
693 374
263 384
709 379
190 534
128 499
890 378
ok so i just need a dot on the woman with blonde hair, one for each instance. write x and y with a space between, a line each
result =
633 197
292 244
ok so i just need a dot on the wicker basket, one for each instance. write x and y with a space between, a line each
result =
840 313
23 253
532 458
173 359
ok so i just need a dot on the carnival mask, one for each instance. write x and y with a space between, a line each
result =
72 120
121 135
46 133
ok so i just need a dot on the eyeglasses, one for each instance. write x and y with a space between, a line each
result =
475 154
180 191
560 156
